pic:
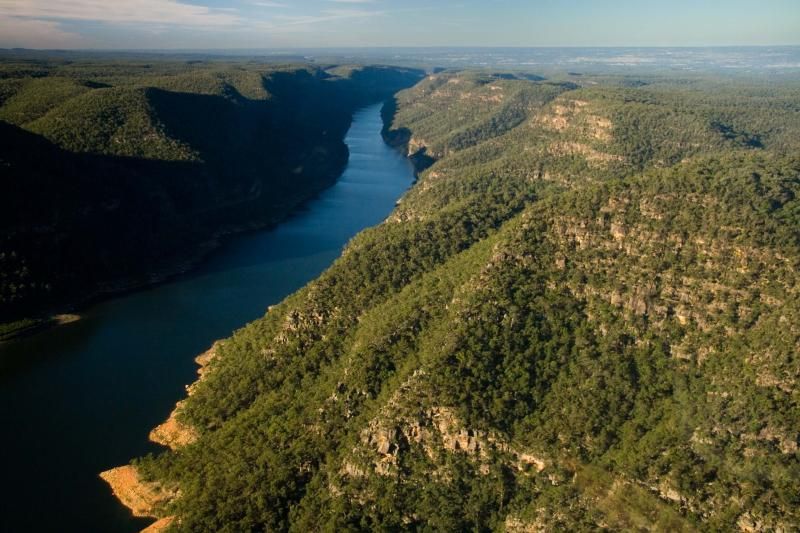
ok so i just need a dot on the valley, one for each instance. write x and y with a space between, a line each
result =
582 315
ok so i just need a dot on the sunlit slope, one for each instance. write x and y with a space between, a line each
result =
563 326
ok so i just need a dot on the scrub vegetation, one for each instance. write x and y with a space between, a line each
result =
583 316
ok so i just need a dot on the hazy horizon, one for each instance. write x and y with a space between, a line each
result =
366 48
746 60
269 24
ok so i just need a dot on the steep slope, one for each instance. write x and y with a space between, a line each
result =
135 174
563 326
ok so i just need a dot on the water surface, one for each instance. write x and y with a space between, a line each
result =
81 398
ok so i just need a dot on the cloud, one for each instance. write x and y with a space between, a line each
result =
119 11
284 21
269 4
28 33
49 22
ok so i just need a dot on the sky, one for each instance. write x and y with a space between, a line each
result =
237 24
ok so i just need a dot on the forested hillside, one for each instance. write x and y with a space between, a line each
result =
583 316
117 174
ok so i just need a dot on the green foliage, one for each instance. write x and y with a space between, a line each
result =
33 98
583 316
12 329
601 279
119 173
113 122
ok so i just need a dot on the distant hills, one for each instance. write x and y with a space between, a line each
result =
772 61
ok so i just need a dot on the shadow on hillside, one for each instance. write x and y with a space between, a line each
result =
75 225
67 218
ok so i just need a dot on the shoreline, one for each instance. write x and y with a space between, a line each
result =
193 258
144 498
179 266
32 327
174 434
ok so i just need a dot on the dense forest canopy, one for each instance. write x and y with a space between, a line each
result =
584 315
115 173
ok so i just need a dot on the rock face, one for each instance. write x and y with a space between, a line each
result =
173 433
435 431
141 497
144 498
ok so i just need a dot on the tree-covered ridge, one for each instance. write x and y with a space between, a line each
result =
115 173
565 325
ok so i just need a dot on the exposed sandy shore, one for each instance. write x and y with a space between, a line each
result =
144 498
37 325
160 525
140 496
66 318
173 433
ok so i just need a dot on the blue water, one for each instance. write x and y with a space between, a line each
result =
82 398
